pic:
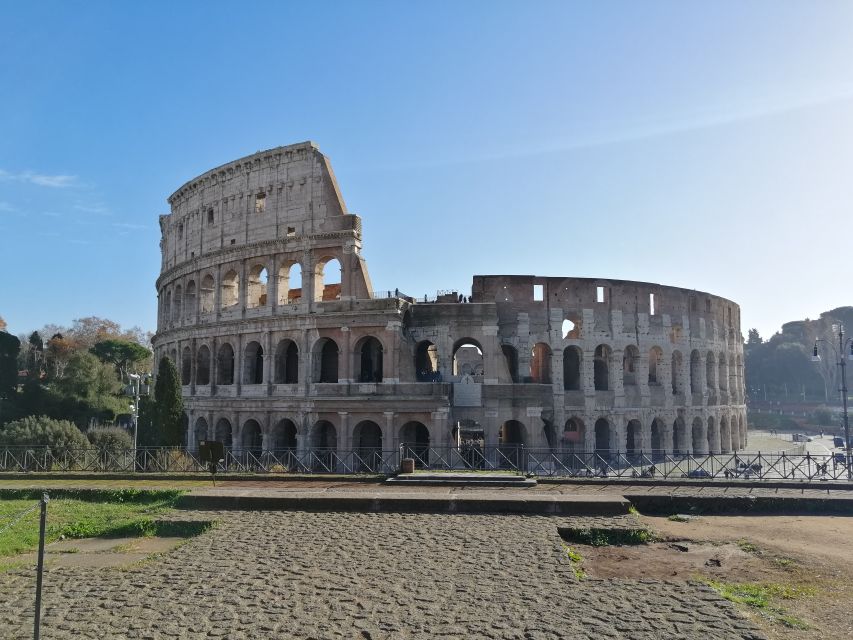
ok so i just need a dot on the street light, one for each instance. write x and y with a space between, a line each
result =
842 347
138 387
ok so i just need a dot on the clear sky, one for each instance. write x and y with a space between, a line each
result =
706 145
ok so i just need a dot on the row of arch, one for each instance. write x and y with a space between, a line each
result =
185 301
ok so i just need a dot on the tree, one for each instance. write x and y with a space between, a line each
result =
9 347
169 405
41 431
110 439
59 351
123 354
88 331
90 389
3 324
754 338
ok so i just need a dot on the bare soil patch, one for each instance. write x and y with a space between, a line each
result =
99 553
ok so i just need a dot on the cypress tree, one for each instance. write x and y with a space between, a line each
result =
168 404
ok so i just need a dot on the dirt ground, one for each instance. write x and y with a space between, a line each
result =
806 560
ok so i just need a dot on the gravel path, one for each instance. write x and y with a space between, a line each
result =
365 575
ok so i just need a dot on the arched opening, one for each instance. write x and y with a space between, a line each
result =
284 436
229 291
186 366
511 357
290 283
700 439
368 360
257 287
167 315
414 439
253 441
202 365
253 364
179 302
189 300
634 438
327 280
367 440
225 365
467 358
723 377
655 357
630 362
200 430
680 442
657 443
602 436
325 360
207 293
601 368
286 363
511 438
223 432
571 369
573 435
710 371
426 362
695 372
676 372
725 436
324 436
540 364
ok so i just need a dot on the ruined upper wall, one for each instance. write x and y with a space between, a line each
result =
286 192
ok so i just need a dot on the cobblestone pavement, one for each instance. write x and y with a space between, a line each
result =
365 575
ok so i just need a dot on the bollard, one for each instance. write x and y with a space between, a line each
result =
407 465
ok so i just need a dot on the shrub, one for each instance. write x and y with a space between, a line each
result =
111 439
41 431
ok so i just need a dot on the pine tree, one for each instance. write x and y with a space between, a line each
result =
168 404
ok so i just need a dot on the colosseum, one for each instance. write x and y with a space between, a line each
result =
267 309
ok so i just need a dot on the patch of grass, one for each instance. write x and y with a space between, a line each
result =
747 547
677 517
762 597
598 537
576 560
782 561
125 512
633 510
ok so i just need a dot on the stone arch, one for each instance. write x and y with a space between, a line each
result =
253 363
368 358
655 358
467 358
325 360
695 372
190 300
178 309
658 443
415 439
675 373
327 279
324 436
723 374
426 361
229 289
186 366
202 365
167 308
200 430
574 433
290 283
710 371
700 436
510 354
630 365
601 367
207 293
572 359
602 435
540 363
283 436
224 432
286 362
256 286
367 437
225 364
252 437
512 433
633 437
681 440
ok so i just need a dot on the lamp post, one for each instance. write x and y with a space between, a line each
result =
840 353
138 387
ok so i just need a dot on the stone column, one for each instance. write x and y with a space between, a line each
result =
345 359
491 353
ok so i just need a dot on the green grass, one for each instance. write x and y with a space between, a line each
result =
747 547
763 597
677 517
89 514
597 537
576 560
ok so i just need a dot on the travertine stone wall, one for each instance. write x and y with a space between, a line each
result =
269 362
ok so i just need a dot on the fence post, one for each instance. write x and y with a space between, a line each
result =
42 522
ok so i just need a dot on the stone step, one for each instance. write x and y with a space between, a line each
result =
451 479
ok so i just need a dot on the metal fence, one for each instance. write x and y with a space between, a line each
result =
513 459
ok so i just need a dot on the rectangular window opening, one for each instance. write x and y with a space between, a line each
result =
210 216
291 231
599 294
538 293
260 202
233 241
651 304
708 305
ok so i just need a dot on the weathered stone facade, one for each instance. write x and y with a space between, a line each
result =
559 363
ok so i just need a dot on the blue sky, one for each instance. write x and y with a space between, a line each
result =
704 145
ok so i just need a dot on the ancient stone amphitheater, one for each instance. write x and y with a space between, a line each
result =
266 308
